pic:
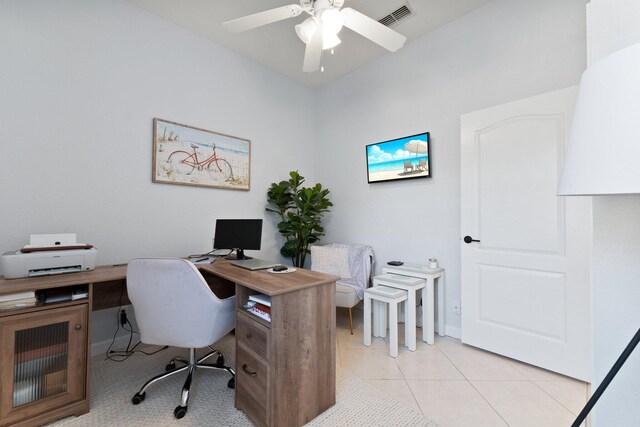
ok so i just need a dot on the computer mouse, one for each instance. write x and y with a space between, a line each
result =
280 268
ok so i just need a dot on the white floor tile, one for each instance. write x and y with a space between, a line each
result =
477 364
571 394
368 363
458 385
427 365
522 404
534 373
454 404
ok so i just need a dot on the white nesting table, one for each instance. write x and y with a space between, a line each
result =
384 295
428 297
410 284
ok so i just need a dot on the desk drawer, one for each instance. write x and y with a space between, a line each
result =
252 385
253 335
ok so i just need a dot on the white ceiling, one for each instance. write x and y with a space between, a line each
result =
278 47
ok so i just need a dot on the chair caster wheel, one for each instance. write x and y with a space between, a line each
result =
220 361
180 411
138 398
231 383
170 366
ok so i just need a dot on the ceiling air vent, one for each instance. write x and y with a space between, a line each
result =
403 12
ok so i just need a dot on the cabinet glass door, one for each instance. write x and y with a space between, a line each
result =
40 362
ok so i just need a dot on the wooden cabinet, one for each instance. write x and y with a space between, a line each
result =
285 369
44 363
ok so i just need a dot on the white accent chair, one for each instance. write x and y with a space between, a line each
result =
353 263
174 306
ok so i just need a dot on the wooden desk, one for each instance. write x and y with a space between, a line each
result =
292 357
285 369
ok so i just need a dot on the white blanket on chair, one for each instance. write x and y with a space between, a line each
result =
360 259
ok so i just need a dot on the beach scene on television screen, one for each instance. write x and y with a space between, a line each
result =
400 158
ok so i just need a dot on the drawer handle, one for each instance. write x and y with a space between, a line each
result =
78 327
249 336
244 368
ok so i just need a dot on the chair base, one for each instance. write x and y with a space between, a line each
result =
190 365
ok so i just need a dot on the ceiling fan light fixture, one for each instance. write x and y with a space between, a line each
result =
329 40
305 29
332 21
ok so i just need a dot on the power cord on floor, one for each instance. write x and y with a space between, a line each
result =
122 320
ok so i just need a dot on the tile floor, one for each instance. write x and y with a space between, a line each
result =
457 385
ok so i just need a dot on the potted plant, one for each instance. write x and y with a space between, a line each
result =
300 210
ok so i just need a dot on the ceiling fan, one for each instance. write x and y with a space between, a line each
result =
320 30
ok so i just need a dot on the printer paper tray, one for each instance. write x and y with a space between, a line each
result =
28 249
54 270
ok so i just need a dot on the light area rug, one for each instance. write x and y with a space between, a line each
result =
211 403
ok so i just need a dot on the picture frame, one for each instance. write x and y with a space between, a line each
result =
188 155
408 157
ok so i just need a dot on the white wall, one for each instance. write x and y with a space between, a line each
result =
504 51
80 82
616 302
616 257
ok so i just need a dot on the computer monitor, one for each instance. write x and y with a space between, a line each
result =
238 235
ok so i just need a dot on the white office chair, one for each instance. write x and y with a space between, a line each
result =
174 306
353 263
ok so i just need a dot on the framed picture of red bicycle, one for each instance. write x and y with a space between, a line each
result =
188 155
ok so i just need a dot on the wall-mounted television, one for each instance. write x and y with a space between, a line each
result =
402 158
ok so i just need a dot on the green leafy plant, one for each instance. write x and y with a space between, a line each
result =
300 210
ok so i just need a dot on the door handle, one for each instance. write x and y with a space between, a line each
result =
469 239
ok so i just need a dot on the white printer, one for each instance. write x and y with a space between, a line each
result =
48 254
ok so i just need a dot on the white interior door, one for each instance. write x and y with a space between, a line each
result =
526 283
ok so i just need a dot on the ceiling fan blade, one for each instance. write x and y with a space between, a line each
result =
259 19
373 30
313 52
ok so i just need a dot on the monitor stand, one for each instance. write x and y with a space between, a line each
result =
238 255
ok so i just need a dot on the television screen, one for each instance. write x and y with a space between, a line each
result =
401 158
